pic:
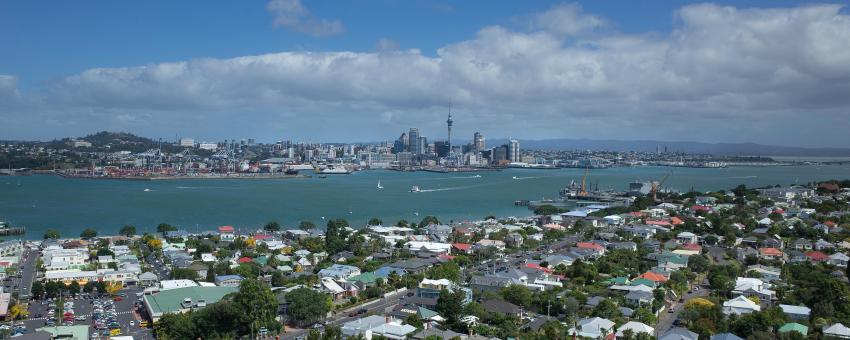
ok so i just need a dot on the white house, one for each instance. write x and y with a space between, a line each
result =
740 305
635 327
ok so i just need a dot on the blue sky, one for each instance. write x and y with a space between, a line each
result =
49 49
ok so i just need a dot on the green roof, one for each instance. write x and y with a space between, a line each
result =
169 301
621 280
645 282
793 326
261 260
673 258
425 313
367 278
78 332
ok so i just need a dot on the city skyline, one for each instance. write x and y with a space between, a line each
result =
755 71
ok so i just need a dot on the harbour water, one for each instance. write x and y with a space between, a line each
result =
40 202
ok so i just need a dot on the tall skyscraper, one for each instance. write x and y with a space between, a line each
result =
449 124
400 144
513 151
414 146
478 141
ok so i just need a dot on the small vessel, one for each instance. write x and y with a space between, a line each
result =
146 190
415 188
476 176
334 170
323 176
379 185
515 177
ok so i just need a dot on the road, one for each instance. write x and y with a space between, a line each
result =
665 320
341 317
21 282
718 255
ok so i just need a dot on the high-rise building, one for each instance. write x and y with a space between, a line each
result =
442 148
513 151
423 145
414 146
400 144
479 142
449 124
499 153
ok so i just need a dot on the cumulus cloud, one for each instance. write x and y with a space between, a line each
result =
292 14
567 19
719 75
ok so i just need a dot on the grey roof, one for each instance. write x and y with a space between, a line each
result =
680 333
725 336
500 306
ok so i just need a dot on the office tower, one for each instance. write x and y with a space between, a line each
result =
400 144
513 151
500 153
442 148
478 141
414 145
423 145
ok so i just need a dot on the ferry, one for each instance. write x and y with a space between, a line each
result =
334 170
415 188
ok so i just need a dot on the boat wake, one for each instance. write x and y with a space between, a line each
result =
529 177
744 177
202 187
447 189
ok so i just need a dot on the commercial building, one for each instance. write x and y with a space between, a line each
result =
181 300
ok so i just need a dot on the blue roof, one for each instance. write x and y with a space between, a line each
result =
386 270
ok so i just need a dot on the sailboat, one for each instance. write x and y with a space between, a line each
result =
379 185
415 188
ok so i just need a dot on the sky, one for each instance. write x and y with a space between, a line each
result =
770 72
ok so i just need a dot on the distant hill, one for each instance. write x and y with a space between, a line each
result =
730 149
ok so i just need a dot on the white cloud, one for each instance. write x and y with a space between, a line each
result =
567 19
294 15
723 74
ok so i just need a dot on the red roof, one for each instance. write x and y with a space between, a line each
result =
829 224
655 277
226 229
636 213
692 246
779 211
676 221
590 245
700 208
770 252
245 259
445 257
462 246
262 237
657 222
817 256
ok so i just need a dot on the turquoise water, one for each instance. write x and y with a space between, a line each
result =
71 205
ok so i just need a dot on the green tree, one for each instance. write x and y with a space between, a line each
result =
547 209
127 230
257 305
183 274
336 236
210 273
88 233
306 225
375 221
306 306
37 290
89 287
450 305
51 234
606 309
517 294
414 320
448 270
272 226
428 220
163 228
74 288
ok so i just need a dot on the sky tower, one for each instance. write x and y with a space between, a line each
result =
449 123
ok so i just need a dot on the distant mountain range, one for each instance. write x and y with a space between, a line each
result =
729 149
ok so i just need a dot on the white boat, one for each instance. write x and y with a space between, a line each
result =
476 176
515 177
379 185
335 170
146 189
415 188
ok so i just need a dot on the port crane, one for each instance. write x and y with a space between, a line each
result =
583 190
657 185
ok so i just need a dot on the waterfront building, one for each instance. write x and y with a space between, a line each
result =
415 146
186 142
513 154
479 142
181 300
